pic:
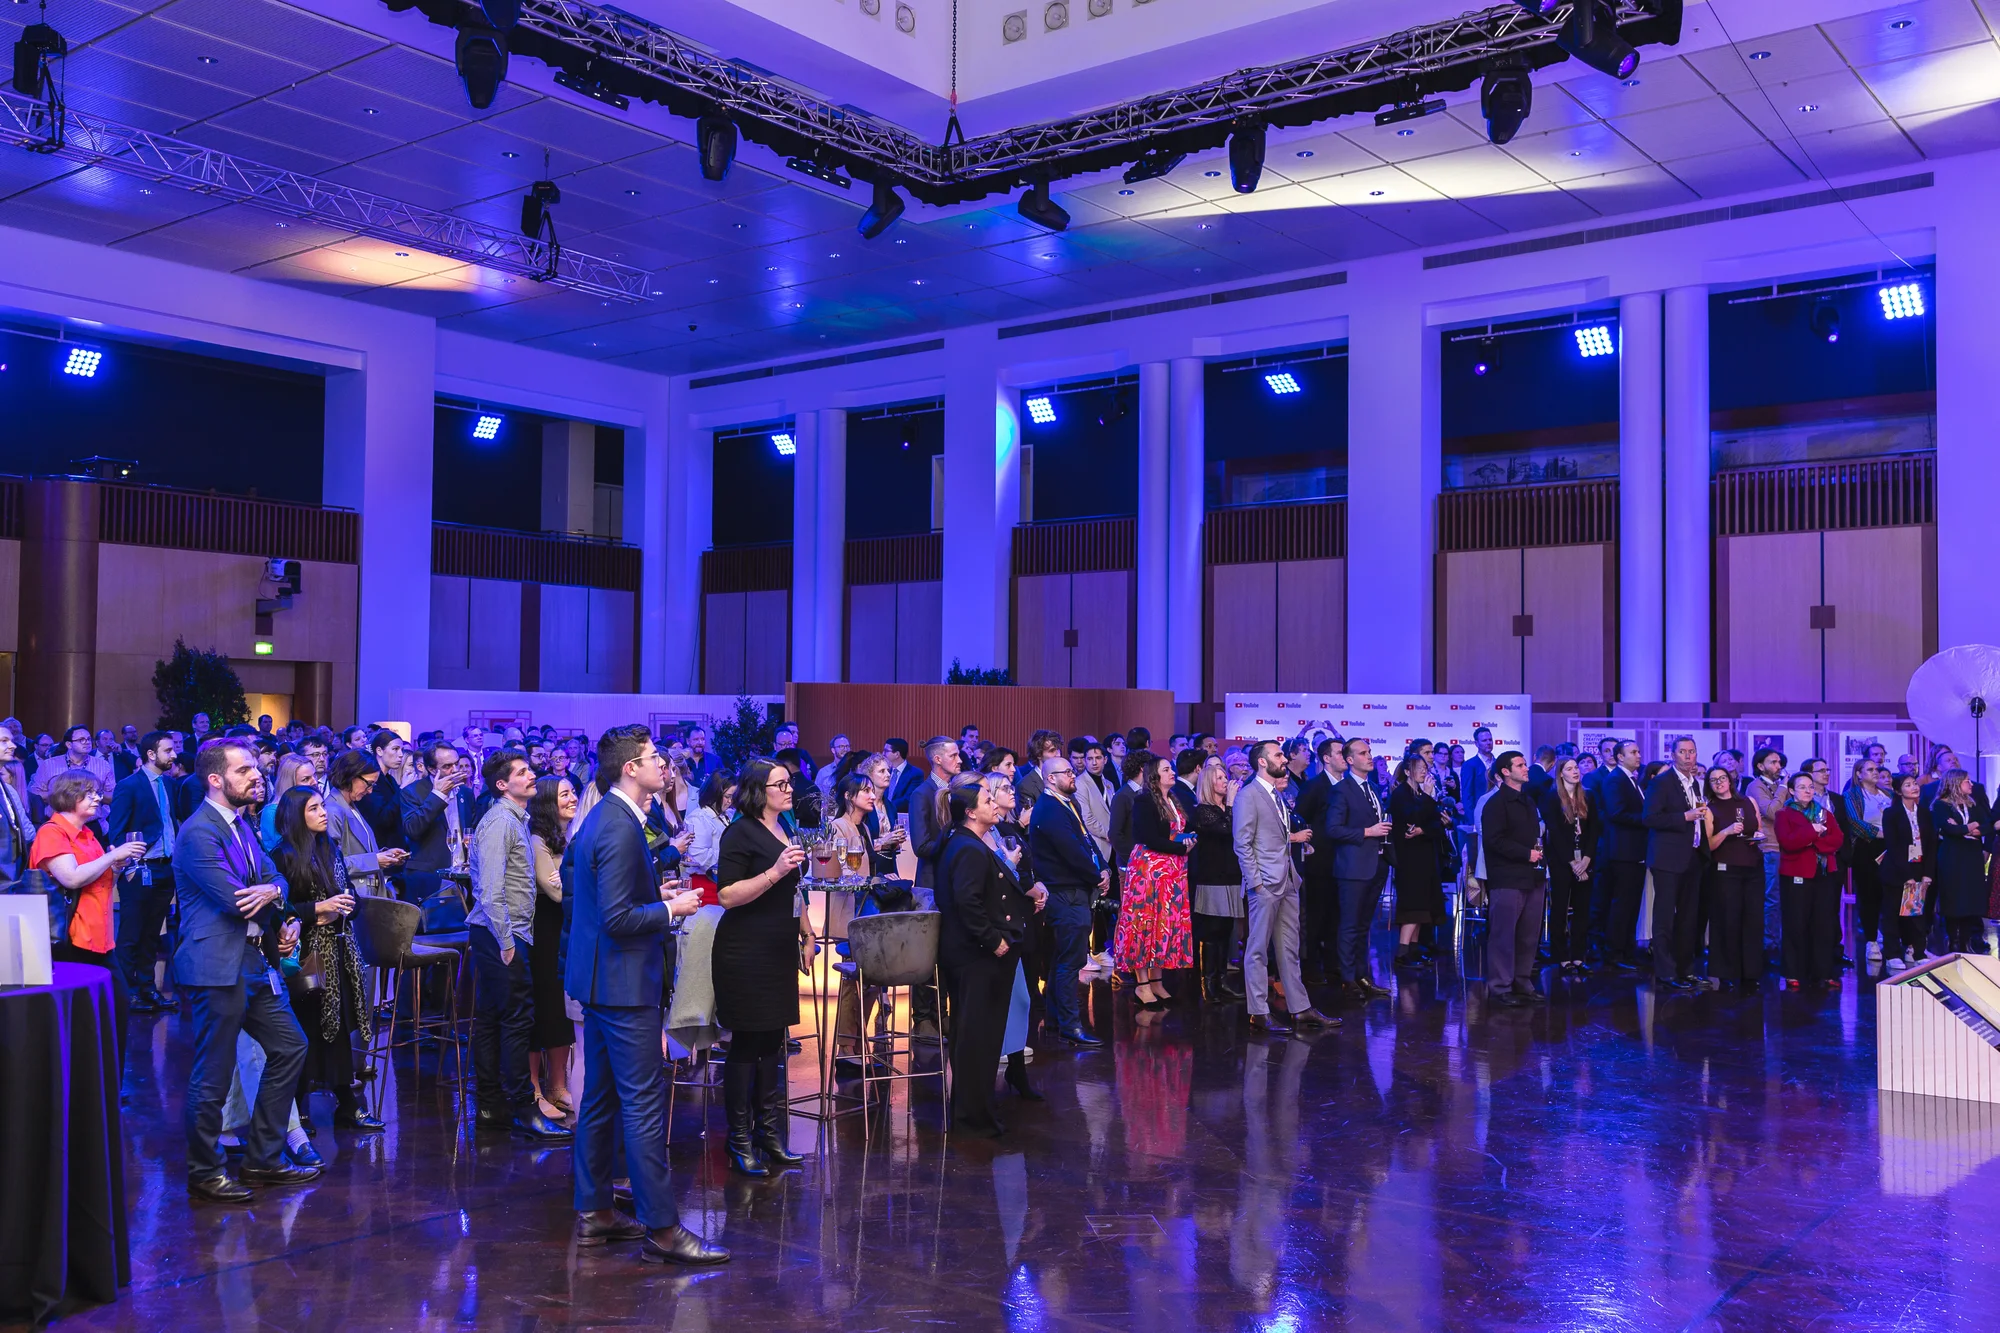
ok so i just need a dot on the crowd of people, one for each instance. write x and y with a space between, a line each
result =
238 863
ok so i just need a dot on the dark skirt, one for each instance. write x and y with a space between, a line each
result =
552 1029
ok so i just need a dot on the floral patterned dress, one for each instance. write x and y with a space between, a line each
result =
1154 925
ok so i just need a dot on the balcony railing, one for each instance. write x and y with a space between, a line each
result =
533 557
1826 497
1566 513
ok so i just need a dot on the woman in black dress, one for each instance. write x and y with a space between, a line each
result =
984 919
1417 833
760 944
1569 850
332 1012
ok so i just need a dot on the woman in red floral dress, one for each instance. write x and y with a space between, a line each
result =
1155 928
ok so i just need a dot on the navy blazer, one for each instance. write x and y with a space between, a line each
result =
617 923
1064 854
134 809
1623 806
1348 813
211 862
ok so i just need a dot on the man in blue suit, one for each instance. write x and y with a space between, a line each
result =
616 970
142 804
1356 828
228 891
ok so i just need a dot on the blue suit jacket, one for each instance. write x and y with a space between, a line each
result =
135 810
617 926
210 865
1348 815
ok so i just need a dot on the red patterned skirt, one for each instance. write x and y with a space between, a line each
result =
1154 925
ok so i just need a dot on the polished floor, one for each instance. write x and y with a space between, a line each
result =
1609 1162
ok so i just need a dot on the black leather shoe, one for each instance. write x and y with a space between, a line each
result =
1076 1036
1270 1023
279 1175
305 1155
485 1119
606 1226
678 1245
537 1126
1313 1018
221 1188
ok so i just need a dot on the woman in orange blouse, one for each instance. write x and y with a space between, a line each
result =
67 849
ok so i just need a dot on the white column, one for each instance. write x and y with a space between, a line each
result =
1641 582
378 461
689 525
1185 511
1393 462
830 539
982 499
1155 523
569 477
1966 293
651 492
805 546
1687 465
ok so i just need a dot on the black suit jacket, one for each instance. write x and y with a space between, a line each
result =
1315 795
1623 806
1065 855
1670 837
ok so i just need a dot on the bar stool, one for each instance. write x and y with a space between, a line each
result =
385 933
894 950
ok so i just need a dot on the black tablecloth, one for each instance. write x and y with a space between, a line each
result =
62 1158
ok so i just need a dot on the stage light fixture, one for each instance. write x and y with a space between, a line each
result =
1904 300
1825 320
787 446
1246 156
883 212
1041 410
481 56
83 363
1506 96
1595 340
1591 35
1153 165
37 45
535 209
488 428
715 136
1038 208
1284 382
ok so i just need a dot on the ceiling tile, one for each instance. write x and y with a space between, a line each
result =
1767 62
1707 126
1932 25
1736 171
1960 77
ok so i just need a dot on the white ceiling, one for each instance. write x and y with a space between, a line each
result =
768 264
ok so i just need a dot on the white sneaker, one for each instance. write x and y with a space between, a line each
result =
1874 951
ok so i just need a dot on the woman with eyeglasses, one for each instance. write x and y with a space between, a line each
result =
761 946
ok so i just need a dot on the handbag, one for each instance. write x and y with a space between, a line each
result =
62 903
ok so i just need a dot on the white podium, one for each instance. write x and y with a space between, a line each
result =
1937 1029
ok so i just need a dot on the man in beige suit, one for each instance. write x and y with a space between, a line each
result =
1264 838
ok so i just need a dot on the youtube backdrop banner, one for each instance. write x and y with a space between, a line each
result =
1389 722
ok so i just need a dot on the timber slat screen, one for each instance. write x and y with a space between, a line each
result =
1259 534
1079 546
1826 497
529 557
918 558
747 568
1568 513
226 524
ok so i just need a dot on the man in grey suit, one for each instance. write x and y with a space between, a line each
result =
1264 838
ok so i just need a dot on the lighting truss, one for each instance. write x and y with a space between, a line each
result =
94 141
638 57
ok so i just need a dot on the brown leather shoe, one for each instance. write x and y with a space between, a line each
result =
605 1226
1313 1018
678 1245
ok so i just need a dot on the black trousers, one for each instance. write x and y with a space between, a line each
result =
503 1018
220 1012
981 988
142 910
1676 921
1319 926
1736 923
1626 884
1569 910
1811 910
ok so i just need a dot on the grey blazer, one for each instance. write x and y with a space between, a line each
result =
1096 810
1263 833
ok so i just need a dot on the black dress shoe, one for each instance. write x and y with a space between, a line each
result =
1270 1023
359 1120
221 1188
606 1226
1313 1018
537 1126
1076 1036
305 1155
286 1174
678 1245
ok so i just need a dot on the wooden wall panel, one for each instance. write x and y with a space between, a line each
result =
1007 714
1243 629
1312 626
722 643
1564 592
919 633
871 633
1773 653
1100 612
1482 595
1876 582
1041 614
766 641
